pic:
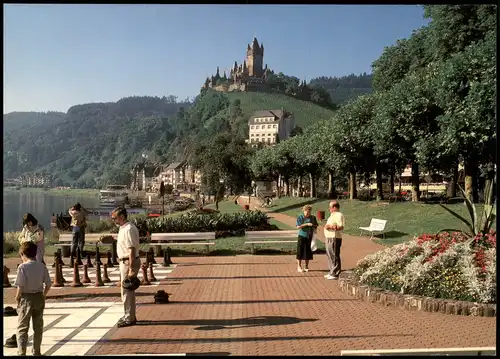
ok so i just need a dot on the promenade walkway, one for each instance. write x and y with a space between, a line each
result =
260 305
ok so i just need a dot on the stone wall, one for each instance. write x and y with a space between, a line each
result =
348 285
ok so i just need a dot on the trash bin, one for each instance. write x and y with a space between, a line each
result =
320 215
247 207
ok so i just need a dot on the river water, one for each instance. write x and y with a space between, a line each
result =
40 204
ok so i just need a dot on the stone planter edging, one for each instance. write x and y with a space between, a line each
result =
348 285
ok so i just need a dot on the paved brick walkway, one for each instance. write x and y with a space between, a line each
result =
260 305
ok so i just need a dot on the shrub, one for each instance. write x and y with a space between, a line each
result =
365 195
10 242
446 265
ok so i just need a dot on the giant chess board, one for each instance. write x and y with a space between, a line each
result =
159 272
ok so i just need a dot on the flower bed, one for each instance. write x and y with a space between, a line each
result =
447 266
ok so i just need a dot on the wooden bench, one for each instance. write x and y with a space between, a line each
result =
376 225
474 351
90 238
182 239
275 236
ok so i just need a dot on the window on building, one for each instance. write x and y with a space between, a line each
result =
268 126
269 134
257 127
268 140
251 135
275 126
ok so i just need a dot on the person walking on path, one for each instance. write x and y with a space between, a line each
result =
78 224
333 239
127 246
307 225
33 232
32 275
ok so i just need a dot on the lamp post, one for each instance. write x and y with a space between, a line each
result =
221 192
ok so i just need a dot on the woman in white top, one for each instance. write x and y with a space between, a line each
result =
333 234
33 232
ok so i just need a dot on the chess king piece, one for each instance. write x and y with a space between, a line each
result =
98 279
105 278
58 280
76 277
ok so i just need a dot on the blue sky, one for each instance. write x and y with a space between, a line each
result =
57 56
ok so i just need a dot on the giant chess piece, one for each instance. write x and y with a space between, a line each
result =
151 256
56 261
97 257
110 260
86 278
89 261
60 256
105 278
167 261
58 278
61 264
11 342
145 280
161 297
151 274
76 277
6 281
98 279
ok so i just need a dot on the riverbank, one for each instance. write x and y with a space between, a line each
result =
55 191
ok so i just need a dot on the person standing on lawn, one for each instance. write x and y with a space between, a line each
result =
333 239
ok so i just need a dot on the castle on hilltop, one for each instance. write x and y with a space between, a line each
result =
249 76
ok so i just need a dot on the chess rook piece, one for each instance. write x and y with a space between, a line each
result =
72 261
167 261
86 278
58 277
89 261
151 256
161 297
151 274
145 280
11 342
56 261
105 278
6 281
76 277
79 257
97 257
110 260
98 279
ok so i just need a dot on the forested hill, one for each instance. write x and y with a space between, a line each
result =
98 143
345 88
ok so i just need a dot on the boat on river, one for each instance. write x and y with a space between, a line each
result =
114 196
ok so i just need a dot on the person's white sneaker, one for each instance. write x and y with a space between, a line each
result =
306 269
327 275
331 277
299 270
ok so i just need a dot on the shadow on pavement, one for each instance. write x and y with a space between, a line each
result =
294 206
172 302
218 324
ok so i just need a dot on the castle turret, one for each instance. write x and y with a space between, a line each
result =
255 59
217 74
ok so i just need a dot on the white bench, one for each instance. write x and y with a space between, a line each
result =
376 225
181 239
90 238
474 351
264 236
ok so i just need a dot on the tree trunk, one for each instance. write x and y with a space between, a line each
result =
352 185
312 188
299 186
287 186
489 181
454 182
391 181
278 187
331 187
415 182
380 189
469 169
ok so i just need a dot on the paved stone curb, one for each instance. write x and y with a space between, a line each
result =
351 287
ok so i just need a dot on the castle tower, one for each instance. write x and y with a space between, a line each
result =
255 59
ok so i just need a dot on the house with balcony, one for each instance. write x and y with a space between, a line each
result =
181 176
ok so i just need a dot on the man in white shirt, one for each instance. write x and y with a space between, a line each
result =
127 247
333 234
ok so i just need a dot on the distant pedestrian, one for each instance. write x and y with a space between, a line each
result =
307 225
78 225
333 239
127 246
33 232
33 283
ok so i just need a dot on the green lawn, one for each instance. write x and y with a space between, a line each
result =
405 219
227 206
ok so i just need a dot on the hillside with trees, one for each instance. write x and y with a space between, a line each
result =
345 88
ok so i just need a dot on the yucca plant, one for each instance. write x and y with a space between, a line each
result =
482 224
